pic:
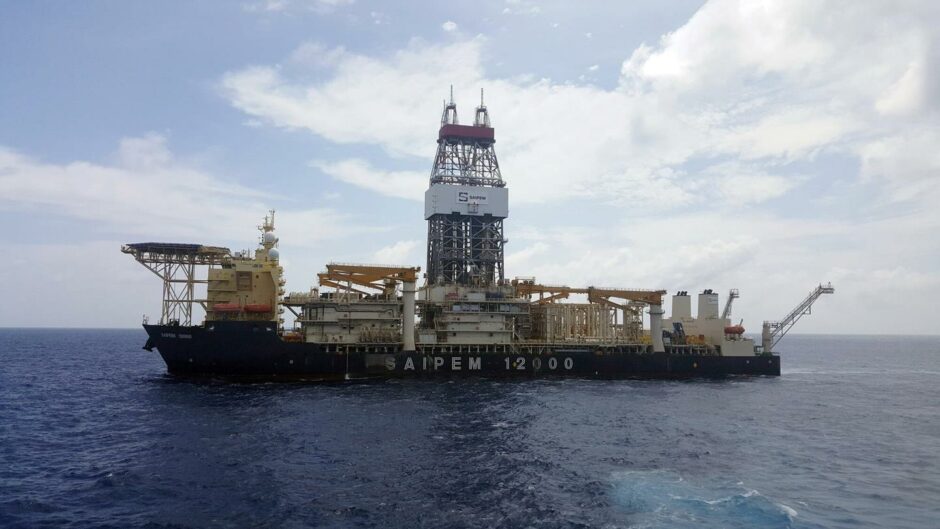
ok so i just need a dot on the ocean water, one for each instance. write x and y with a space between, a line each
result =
93 433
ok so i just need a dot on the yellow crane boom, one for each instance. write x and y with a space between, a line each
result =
343 276
551 293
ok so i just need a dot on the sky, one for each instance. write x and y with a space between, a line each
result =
765 146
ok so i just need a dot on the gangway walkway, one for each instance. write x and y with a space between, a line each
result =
773 331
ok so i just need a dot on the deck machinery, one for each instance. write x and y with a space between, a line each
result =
466 317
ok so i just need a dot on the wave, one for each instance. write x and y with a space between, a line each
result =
664 499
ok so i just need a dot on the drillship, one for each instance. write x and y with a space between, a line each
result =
465 319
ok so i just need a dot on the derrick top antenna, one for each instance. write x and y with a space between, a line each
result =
482 117
449 116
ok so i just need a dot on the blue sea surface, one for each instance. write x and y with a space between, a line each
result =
93 433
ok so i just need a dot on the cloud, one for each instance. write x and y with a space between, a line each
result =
728 40
378 18
788 135
146 192
402 252
764 84
400 184
521 7
738 182
449 26
773 261
906 95
750 189
907 164
270 6
366 100
295 6
147 153
555 130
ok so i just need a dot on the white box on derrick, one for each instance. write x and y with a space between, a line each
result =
448 199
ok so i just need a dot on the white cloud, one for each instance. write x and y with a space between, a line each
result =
737 183
906 95
401 184
148 152
402 252
270 6
908 164
378 18
753 188
344 109
766 84
449 26
295 6
773 261
788 134
147 192
522 259
521 7
565 140
726 40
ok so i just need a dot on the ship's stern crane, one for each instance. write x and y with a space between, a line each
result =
773 331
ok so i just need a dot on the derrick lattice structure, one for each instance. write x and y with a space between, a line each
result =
176 264
466 203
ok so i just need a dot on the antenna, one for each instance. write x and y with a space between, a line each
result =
482 117
449 116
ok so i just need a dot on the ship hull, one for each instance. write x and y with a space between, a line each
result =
256 351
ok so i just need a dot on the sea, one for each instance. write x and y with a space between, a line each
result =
94 433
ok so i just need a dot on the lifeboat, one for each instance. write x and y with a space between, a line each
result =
734 329
257 307
227 307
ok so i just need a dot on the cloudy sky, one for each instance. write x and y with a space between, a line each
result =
765 146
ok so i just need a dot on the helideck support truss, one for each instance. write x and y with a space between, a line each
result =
176 264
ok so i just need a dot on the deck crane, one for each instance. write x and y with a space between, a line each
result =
773 331
732 295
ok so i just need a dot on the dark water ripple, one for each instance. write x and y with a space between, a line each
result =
93 434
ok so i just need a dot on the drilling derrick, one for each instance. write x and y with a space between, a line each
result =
465 203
